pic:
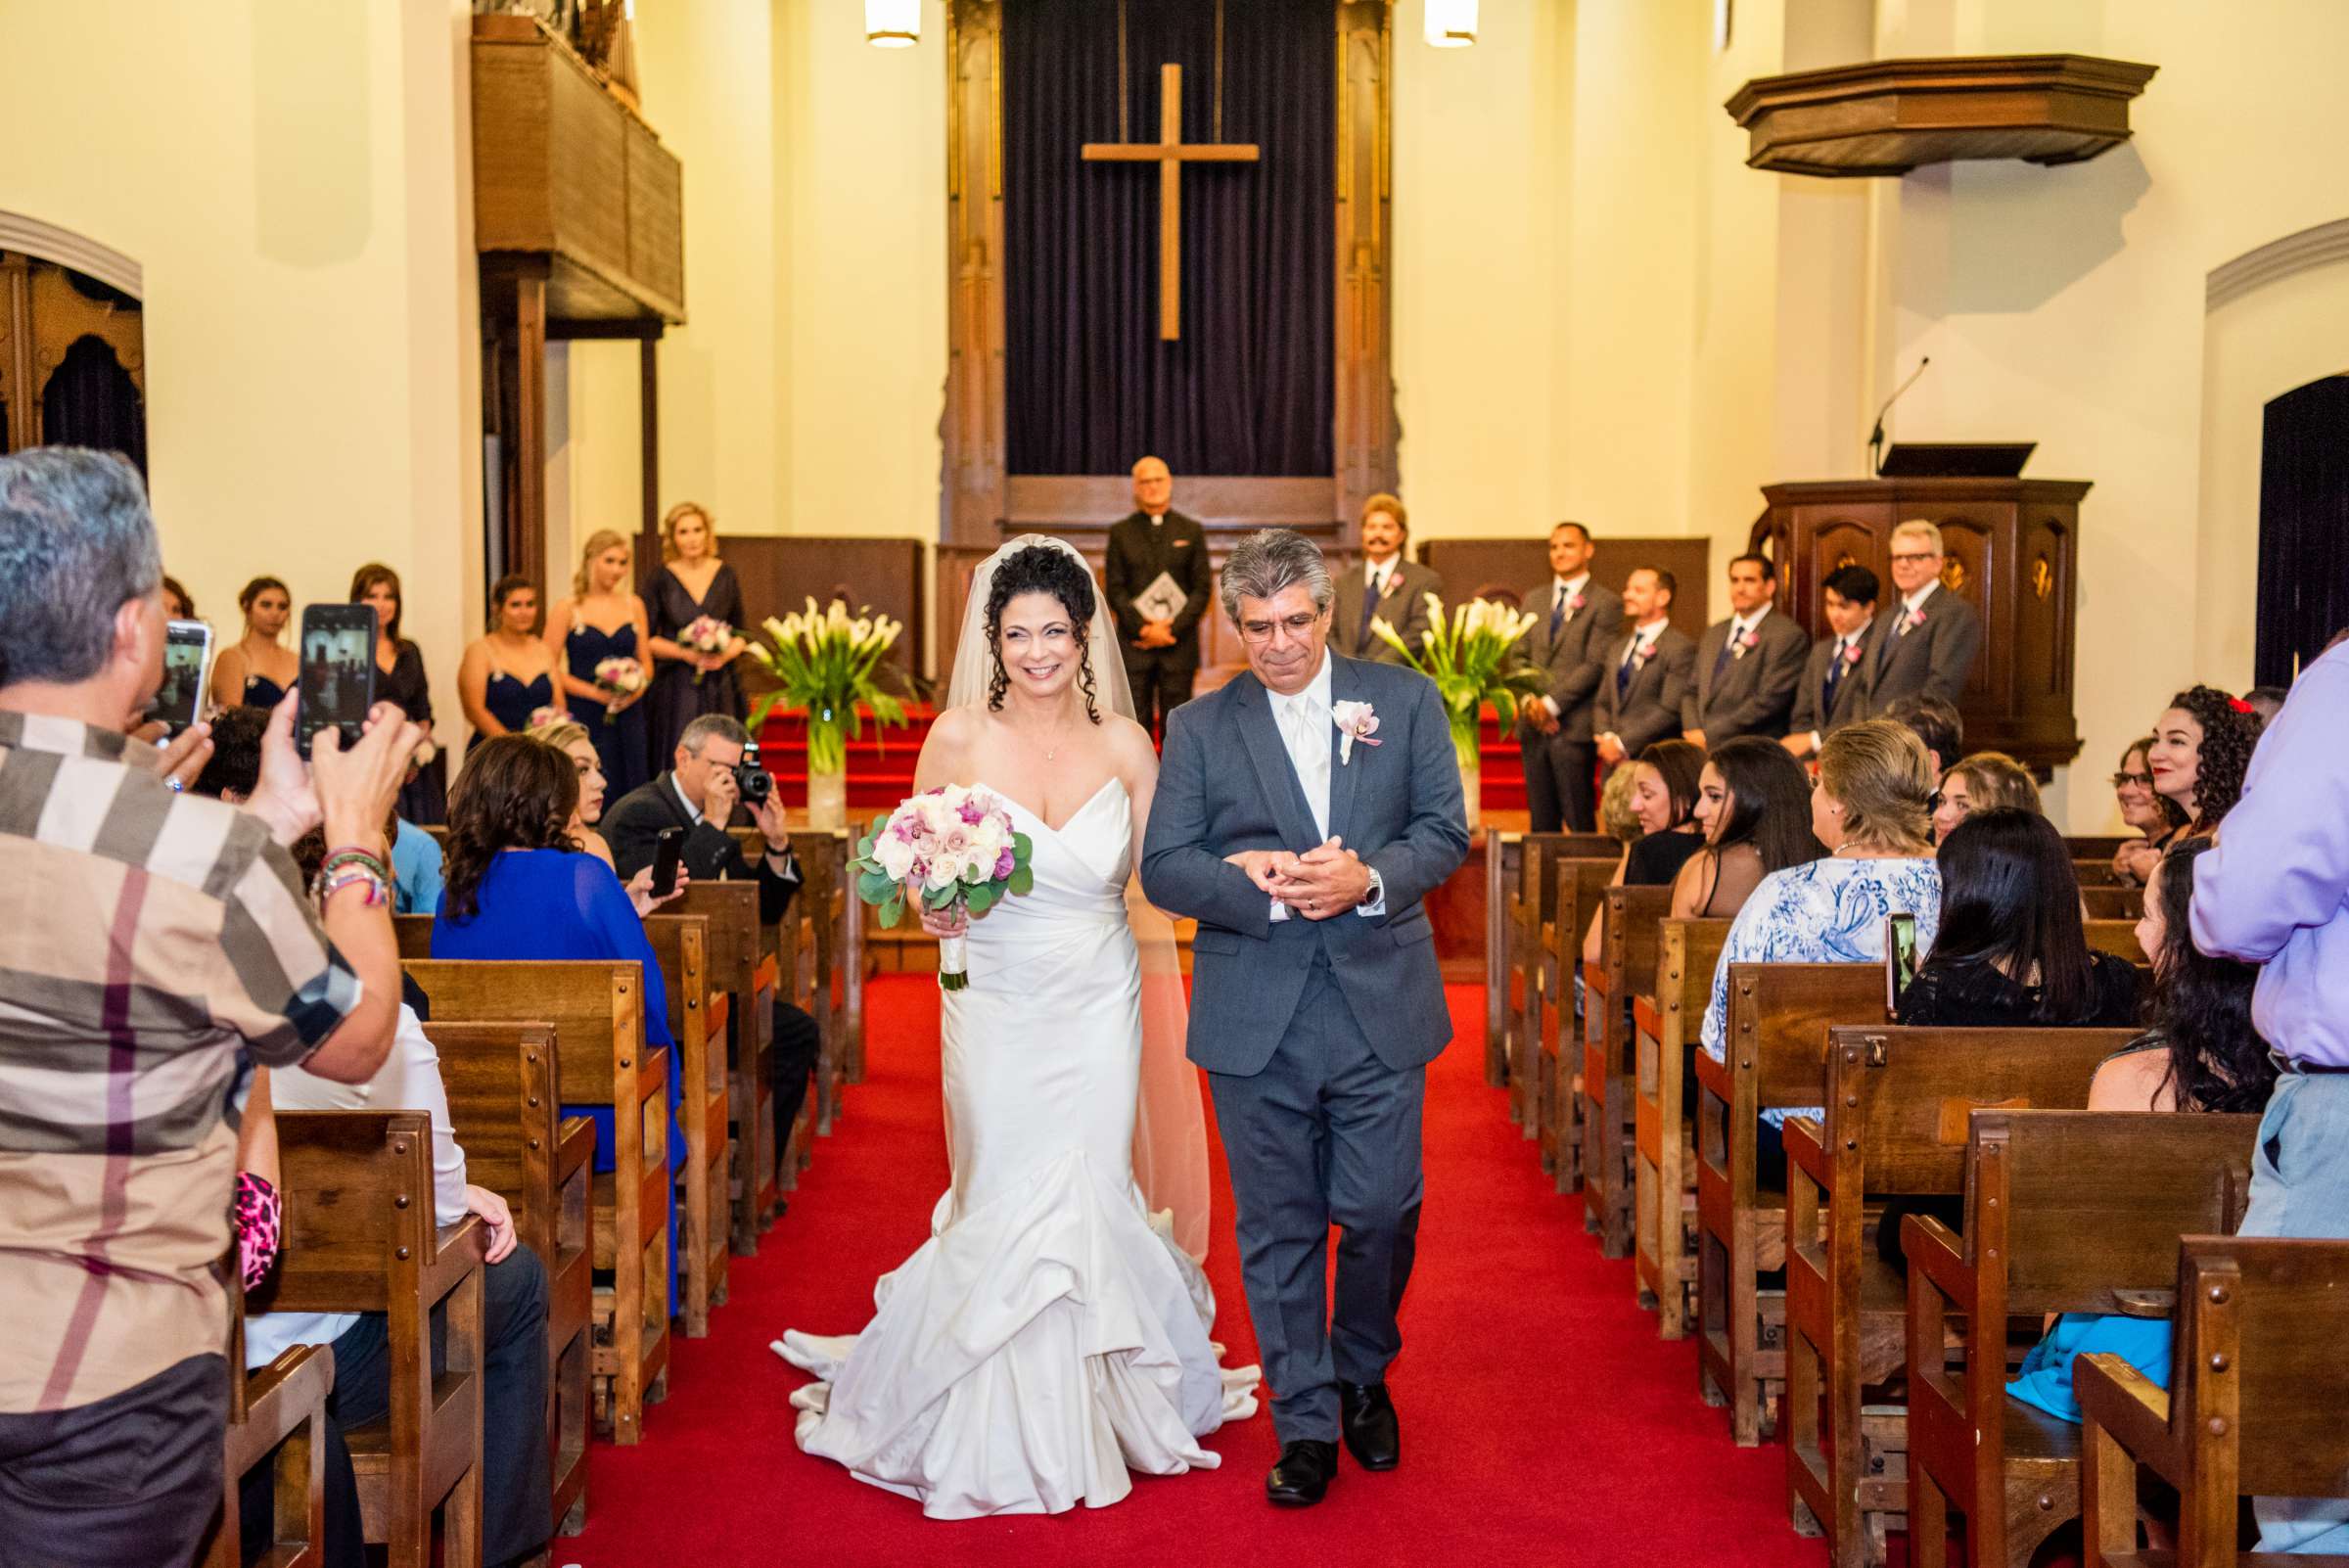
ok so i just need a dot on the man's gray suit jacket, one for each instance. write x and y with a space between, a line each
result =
1568 662
1812 715
1649 709
1404 606
1932 659
1226 784
1755 691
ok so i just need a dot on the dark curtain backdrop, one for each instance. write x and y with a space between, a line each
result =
2303 527
1248 387
92 401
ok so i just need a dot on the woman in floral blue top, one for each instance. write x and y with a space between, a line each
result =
1872 808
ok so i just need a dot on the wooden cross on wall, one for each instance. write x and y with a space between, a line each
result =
1169 153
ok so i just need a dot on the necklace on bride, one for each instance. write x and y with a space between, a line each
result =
1059 733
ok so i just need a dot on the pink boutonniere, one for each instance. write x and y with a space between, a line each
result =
1851 654
1913 619
1646 651
1746 640
1354 722
1573 604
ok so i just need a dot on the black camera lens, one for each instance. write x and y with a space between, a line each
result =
753 783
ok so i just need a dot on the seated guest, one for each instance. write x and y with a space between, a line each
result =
1935 722
1870 810
516 889
416 862
117 1055
2010 952
516 1497
1617 819
1753 806
1829 696
177 606
1987 781
1390 590
2202 748
1664 800
509 674
571 738
2202 1054
1747 666
1925 642
2160 819
234 769
2267 701
700 796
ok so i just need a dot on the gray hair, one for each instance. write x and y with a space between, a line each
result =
1270 560
77 544
713 727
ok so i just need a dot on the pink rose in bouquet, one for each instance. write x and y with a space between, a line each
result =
947 847
707 635
621 678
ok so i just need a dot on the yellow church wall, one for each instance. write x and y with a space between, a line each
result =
293 180
2066 305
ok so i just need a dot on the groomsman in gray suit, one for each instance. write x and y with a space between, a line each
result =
1829 695
1924 644
1748 666
1387 587
1643 679
1573 619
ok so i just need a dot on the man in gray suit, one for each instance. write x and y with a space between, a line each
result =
1831 694
1747 666
1574 619
1643 677
1316 1000
1388 588
1924 643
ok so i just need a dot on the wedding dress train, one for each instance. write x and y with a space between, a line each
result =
1049 1337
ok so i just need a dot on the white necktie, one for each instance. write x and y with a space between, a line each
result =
1306 726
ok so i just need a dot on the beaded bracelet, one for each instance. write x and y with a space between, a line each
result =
352 875
352 855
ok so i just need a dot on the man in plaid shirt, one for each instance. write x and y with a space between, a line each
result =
151 944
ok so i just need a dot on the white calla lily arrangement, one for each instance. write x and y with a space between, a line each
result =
1472 656
825 661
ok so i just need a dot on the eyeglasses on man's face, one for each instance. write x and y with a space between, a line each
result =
2120 781
1258 632
1912 557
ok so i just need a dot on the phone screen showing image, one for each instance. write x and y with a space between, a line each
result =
187 648
1900 957
338 672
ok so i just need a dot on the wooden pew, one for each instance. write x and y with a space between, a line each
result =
792 976
2258 1385
2065 1211
742 969
1532 900
1627 935
2094 846
359 1237
839 985
2112 902
597 1009
1777 1041
505 1097
277 1416
1579 882
697 1018
2115 937
1665 1025
1897 1102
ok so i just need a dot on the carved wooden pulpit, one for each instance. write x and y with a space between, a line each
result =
2013 547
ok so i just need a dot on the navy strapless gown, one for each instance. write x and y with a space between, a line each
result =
262 692
512 702
620 743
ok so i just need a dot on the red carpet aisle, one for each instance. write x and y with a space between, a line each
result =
1544 1422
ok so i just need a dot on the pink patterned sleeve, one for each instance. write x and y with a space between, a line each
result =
256 1212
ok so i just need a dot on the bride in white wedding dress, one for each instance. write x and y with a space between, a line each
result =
1052 1336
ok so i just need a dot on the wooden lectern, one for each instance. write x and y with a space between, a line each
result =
2013 547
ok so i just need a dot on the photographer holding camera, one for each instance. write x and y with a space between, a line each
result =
700 795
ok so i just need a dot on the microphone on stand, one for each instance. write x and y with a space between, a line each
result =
1875 438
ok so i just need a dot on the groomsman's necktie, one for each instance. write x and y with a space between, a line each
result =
1557 611
1362 634
1721 659
1623 671
1826 705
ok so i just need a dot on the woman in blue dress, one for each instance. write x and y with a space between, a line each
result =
515 887
1871 808
509 674
603 619
256 670
2201 1054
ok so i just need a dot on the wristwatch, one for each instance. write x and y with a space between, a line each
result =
1377 893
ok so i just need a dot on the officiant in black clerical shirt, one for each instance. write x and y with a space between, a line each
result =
1157 557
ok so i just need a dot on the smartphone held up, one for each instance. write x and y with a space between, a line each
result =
338 672
187 656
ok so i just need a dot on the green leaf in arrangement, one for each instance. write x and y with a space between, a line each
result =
981 898
892 912
1022 846
1022 880
940 897
874 887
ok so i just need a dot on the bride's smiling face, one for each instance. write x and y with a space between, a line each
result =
1036 642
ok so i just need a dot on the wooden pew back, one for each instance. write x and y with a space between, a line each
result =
1666 1021
1577 884
2117 938
697 1018
2276 1309
1628 919
2112 902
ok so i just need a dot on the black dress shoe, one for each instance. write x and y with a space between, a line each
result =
1300 1475
1367 1418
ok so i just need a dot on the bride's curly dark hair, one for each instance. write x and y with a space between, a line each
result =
2229 733
1043 569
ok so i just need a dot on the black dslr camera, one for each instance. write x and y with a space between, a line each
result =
753 782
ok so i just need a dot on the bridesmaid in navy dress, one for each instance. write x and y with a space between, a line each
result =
603 621
508 675
401 680
694 583
258 670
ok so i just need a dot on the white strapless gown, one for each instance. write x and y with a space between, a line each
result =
1049 1337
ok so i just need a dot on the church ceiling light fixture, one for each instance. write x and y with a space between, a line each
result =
893 23
1451 24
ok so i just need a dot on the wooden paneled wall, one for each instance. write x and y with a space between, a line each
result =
779 572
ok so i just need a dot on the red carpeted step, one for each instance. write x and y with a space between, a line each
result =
1543 1421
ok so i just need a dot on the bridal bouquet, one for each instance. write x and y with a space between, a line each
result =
619 676
946 847
707 635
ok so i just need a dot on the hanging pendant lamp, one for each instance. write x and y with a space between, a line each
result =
1451 24
893 23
